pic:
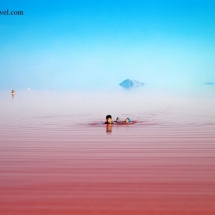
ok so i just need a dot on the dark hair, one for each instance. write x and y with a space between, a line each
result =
108 116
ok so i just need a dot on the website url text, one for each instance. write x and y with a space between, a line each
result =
7 13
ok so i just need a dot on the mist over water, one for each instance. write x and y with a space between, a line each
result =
57 156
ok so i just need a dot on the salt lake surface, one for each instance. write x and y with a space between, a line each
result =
56 156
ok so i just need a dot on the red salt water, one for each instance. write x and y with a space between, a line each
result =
54 161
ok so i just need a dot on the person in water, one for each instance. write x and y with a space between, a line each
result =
109 119
117 120
128 120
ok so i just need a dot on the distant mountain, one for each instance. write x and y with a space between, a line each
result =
130 83
209 83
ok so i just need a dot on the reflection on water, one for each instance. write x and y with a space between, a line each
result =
56 158
108 128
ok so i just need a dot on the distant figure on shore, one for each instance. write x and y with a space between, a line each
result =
13 93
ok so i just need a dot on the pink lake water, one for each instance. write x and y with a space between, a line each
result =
56 156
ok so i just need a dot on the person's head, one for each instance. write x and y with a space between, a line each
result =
117 119
128 120
108 119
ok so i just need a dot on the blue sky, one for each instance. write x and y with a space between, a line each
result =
80 44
